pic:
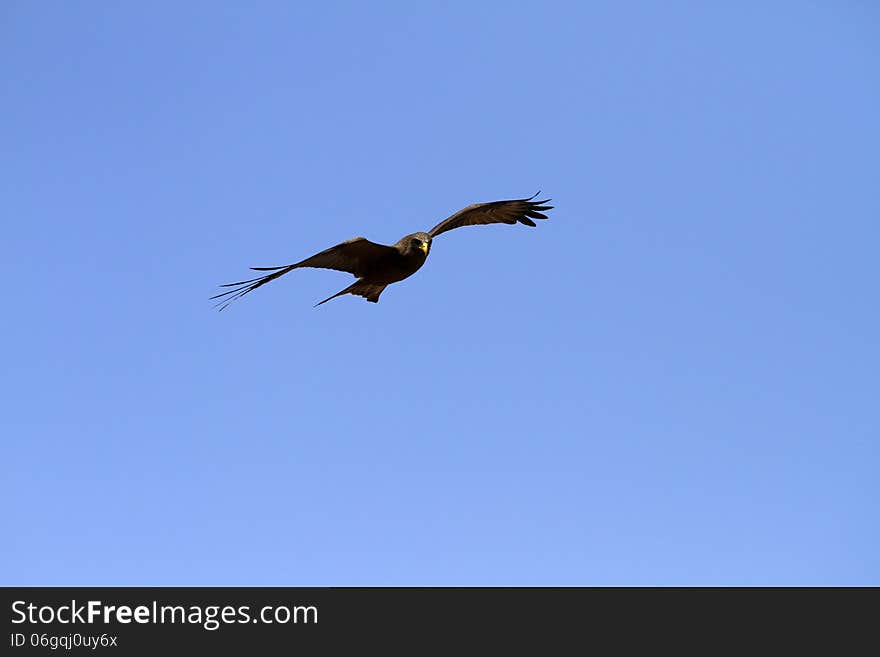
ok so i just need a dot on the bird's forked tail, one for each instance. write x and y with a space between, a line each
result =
369 291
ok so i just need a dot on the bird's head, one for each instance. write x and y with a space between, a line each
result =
417 243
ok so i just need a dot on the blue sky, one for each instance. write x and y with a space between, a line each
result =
674 380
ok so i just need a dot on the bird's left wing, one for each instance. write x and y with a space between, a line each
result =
353 256
521 210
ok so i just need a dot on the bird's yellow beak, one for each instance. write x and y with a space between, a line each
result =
424 247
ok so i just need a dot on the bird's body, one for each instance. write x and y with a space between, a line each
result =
403 262
400 261
377 265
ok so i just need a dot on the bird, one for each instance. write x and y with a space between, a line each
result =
376 266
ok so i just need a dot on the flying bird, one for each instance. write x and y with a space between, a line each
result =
376 265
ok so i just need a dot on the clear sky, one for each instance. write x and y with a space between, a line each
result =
674 380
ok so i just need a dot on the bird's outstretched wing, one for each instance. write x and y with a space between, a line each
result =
353 256
521 210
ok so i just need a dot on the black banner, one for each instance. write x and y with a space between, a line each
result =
122 621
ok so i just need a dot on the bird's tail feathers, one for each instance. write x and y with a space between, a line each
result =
369 291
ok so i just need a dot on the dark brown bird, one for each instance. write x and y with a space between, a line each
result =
376 265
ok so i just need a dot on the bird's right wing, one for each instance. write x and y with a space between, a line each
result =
353 256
